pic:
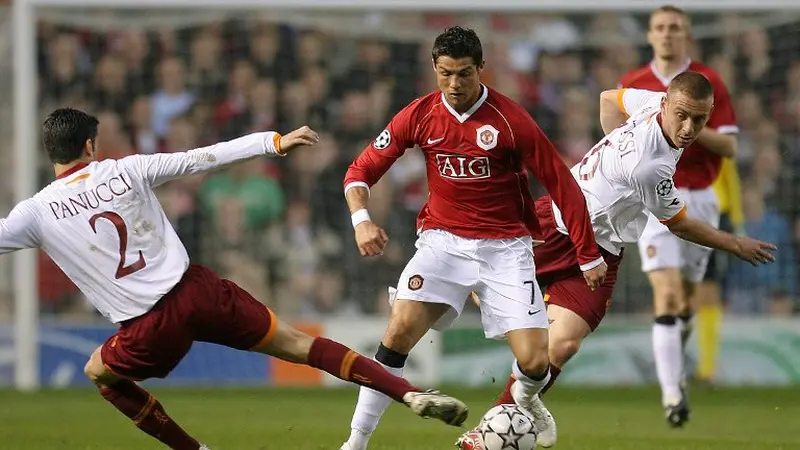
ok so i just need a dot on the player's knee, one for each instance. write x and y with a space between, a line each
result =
95 371
668 300
408 322
90 372
535 364
562 350
288 344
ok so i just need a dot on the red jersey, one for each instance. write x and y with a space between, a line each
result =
698 167
475 165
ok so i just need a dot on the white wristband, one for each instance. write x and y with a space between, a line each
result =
362 215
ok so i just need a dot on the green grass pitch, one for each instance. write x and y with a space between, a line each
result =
267 419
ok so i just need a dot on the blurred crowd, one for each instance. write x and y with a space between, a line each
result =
281 228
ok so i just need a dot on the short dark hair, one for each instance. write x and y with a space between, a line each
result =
457 42
693 84
676 10
65 132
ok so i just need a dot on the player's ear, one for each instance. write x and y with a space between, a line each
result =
89 149
433 64
481 65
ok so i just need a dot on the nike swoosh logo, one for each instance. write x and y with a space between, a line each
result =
434 141
531 313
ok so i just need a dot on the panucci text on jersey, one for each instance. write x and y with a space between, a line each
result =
92 198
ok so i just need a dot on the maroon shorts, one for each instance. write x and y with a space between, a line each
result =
201 307
558 271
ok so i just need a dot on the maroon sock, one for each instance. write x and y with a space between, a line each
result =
345 364
148 414
555 371
506 398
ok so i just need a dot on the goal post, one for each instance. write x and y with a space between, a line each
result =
302 13
26 308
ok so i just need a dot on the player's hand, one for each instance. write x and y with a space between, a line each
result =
595 277
370 238
754 251
299 137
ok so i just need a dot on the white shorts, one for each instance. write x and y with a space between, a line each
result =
446 268
660 249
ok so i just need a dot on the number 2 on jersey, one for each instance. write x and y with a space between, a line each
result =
122 231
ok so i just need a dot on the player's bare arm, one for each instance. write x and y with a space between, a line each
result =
367 169
370 238
612 110
748 249
542 159
722 144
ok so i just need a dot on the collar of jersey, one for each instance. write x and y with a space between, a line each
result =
463 117
667 79
78 166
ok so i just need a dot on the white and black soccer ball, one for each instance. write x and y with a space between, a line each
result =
508 427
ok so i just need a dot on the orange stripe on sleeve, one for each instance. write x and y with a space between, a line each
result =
276 140
621 101
676 218
273 328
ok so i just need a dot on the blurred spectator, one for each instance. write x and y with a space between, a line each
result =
575 136
265 52
141 125
242 200
752 290
172 98
207 76
64 76
182 136
139 59
109 89
756 68
750 114
231 110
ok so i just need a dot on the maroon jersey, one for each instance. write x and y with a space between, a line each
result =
698 167
476 165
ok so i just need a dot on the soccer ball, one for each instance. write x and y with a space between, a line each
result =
508 427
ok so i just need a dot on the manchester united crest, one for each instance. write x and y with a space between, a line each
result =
415 282
487 137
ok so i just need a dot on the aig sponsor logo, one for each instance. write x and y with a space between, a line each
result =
463 167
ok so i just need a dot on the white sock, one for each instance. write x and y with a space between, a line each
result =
532 387
369 409
668 354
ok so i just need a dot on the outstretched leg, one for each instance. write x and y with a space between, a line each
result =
292 345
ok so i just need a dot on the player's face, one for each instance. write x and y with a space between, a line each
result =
459 80
668 35
682 117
